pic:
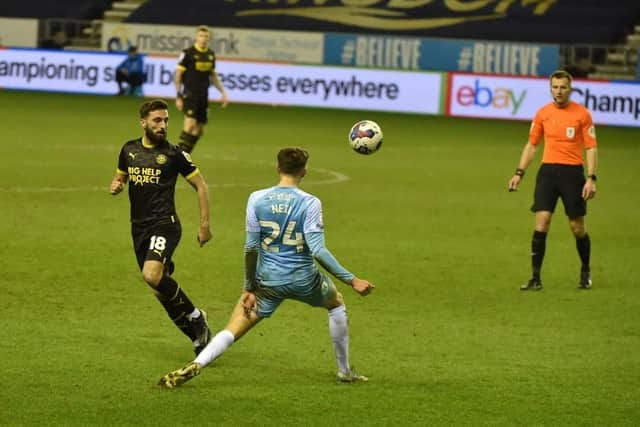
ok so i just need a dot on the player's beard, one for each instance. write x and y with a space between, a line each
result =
155 138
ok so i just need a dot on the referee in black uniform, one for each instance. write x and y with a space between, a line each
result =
195 73
151 165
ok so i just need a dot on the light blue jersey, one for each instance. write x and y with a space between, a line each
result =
282 216
286 223
284 226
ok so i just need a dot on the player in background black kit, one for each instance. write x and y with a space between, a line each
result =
196 71
151 165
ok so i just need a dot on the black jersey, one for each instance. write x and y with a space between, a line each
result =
197 65
152 173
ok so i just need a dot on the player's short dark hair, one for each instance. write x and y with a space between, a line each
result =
203 28
292 160
153 105
561 74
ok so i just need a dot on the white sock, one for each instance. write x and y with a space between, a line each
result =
339 330
218 345
193 315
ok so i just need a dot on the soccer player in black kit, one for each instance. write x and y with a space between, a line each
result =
196 71
151 165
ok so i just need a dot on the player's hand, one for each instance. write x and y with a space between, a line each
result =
179 103
116 186
589 190
513 182
204 235
225 100
248 302
361 286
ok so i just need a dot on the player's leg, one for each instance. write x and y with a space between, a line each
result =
583 245
545 199
576 209
158 247
237 326
339 331
195 119
323 293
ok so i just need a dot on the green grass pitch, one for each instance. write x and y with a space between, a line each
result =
447 338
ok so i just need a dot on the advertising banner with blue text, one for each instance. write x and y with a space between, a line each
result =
413 53
250 82
228 43
518 98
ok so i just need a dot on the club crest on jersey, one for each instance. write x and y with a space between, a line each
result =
571 132
187 156
161 159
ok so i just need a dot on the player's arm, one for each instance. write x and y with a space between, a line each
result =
202 189
217 83
527 156
591 145
589 188
536 131
118 182
178 84
121 177
251 248
315 241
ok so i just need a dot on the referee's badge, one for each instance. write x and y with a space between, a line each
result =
161 159
571 132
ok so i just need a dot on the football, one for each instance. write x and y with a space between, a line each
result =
365 137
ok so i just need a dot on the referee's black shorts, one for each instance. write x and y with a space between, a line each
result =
157 241
196 106
560 181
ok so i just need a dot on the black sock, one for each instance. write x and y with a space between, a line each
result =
177 304
538 247
188 141
584 250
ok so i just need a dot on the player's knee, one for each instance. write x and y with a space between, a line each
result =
152 276
577 227
198 130
334 302
543 221
189 126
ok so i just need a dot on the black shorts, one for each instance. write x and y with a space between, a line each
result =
196 106
560 181
156 242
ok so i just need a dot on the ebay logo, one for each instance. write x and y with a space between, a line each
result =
490 97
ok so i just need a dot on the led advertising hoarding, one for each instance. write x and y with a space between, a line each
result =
518 98
413 53
250 82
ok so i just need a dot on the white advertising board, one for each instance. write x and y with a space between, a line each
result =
518 98
230 43
250 82
18 32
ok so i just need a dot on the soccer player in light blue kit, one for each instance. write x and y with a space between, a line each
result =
284 236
